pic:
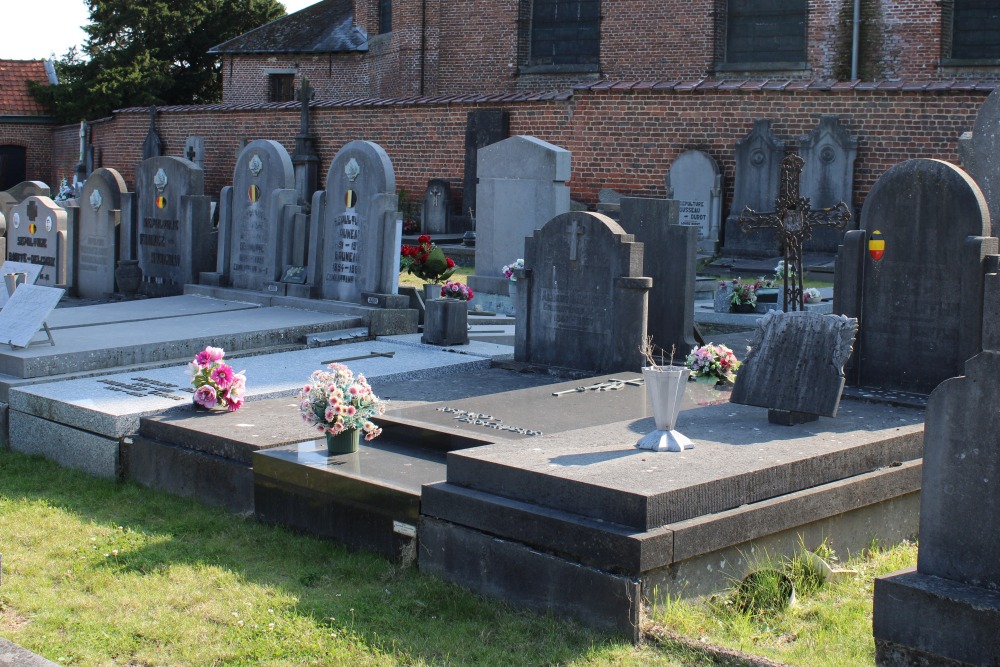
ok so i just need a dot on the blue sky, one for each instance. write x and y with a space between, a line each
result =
35 30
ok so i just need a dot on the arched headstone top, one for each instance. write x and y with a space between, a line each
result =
268 160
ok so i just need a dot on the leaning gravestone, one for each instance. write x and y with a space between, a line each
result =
913 277
582 302
31 272
758 171
695 181
670 258
828 153
522 185
98 233
795 367
38 235
436 210
356 233
25 313
175 239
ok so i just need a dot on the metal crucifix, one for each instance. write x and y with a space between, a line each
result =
793 220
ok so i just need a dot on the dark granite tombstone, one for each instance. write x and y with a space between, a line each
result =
38 234
355 234
482 128
98 233
980 152
582 299
695 181
758 172
913 277
436 210
175 240
670 258
152 145
795 367
827 176
946 611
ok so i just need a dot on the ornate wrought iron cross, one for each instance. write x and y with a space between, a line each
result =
793 219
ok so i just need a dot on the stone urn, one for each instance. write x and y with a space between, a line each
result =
665 387
128 275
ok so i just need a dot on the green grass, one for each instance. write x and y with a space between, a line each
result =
461 275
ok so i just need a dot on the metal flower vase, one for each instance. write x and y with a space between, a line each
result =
345 442
665 387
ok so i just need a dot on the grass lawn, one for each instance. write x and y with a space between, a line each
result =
461 275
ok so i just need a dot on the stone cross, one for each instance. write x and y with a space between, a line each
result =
305 94
793 219
191 155
574 233
32 210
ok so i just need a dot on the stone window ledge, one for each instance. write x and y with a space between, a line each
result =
967 62
558 69
761 67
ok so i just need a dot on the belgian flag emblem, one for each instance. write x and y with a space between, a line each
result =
350 199
253 194
876 245
32 228
161 202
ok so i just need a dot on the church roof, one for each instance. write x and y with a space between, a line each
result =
15 99
326 27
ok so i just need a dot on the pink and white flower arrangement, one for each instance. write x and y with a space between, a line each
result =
335 400
214 381
812 295
456 290
508 269
712 363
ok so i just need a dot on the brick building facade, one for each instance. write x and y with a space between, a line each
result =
25 127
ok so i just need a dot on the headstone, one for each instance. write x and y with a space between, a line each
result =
522 185
482 128
305 159
25 313
15 195
695 181
758 174
152 146
194 151
38 235
670 258
255 218
913 277
795 367
980 152
98 233
175 239
437 207
3 237
31 272
828 153
356 233
582 301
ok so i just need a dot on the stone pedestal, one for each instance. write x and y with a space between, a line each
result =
446 322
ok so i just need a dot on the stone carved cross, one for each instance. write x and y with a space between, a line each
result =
191 154
574 233
793 219
32 210
305 95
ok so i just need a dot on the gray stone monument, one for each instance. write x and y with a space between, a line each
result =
522 185
670 258
98 233
828 153
437 208
758 179
175 240
15 195
356 231
194 151
695 181
913 277
38 234
582 301
483 128
795 367
980 152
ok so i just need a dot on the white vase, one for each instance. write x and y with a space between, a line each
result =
665 387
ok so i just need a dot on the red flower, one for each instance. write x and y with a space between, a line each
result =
423 238
422 257
451 262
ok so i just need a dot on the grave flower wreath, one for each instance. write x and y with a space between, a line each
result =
335 401
712 363
426 261
214 381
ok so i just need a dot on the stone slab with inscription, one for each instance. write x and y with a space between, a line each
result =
37 234
25 312
98 234
694 180
756 184
10 266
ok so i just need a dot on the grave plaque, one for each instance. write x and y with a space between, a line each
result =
695 181
175 237
828 153
758 178
31 270
25 312
913 277
38 235
436 209
98 233
582 301
356 231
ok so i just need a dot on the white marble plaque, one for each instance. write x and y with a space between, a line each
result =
25 312
11 266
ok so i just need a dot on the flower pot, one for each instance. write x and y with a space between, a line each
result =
431 291
665 388
446 322
345 442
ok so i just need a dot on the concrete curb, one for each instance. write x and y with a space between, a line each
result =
12 655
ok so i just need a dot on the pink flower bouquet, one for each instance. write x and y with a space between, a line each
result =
712 363
214 381
335 400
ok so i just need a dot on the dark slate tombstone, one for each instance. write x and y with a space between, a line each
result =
828 153
482 128
98 233
670 258
980 152
946 611
913 277
758 171
582 301
38 234
175 239
255 217
795 367
695 181
356 232
194 151
152 146
437 208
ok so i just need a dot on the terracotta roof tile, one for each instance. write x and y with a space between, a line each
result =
15 100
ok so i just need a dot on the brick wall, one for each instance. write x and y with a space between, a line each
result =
36 139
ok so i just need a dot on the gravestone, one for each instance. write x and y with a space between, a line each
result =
194 151
98 233
980 152
256 231
756 185
695 181
305 161
31 271
3 237
582 301
38 234
436 211
25 313
522 185
355 234
152 145
15 195
828 153
670 258
175 240
482 128
795 367
913 277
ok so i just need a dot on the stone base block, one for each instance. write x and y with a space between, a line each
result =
299 291
212 278
446 322
392 322
69 447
